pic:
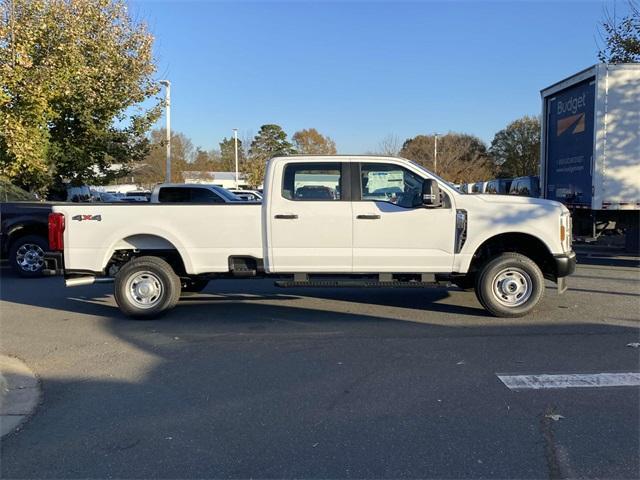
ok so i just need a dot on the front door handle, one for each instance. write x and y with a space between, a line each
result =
289 216
368 217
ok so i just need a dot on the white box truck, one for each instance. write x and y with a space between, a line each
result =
590 148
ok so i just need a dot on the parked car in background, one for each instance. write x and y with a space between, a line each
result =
498 186
107 197
464 188
137 196
525 186
250 195
321 192
23 229
191 193
479 187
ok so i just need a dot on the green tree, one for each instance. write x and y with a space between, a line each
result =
461 157
516 149
228 155
621 38
271 141
74 76
311 142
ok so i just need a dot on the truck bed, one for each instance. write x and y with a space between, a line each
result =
204 235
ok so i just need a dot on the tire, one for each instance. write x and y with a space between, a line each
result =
466 283
146 287
510 285
191 287
26 255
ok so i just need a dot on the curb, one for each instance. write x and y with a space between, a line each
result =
19 393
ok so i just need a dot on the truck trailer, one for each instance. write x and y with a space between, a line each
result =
590 149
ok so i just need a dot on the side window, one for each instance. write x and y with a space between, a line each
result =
204 195
390 183
312 181
174 195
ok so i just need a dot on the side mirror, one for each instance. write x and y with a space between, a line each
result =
431 193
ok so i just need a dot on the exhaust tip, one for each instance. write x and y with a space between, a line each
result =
79 281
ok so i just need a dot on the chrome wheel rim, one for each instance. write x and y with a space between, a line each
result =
512 287
144 290
30 257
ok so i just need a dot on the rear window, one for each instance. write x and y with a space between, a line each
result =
312 181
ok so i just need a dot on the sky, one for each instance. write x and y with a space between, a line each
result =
361 71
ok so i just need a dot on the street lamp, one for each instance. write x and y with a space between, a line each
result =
235 144
167 101
435 153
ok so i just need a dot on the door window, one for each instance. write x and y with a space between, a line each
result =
390 183
312 182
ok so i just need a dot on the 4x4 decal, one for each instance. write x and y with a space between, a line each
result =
82 218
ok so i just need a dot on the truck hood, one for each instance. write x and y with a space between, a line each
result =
518 200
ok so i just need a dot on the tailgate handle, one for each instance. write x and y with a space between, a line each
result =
289 216
368 217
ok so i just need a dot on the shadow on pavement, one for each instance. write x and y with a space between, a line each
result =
251 384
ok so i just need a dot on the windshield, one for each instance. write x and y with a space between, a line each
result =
440 179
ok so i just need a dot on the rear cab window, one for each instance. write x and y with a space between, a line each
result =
312 182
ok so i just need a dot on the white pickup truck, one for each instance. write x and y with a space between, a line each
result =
325 221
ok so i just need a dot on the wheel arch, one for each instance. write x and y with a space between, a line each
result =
19 230
526 244
148 244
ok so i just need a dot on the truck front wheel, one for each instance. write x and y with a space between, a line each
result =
509 285
146 287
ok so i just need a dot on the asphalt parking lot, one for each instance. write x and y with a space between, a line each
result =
248 380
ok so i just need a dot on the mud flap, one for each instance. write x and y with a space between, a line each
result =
562 285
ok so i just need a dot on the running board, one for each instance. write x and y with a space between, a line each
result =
358 284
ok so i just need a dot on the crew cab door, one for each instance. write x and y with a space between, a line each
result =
392 230
310 218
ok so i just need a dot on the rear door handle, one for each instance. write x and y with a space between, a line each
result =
368 217
289 216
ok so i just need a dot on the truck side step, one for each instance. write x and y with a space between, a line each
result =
358 284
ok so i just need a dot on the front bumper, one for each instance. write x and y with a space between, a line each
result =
53 264
565 264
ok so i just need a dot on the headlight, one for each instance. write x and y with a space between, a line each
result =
565 231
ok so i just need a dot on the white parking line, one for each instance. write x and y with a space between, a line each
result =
572 380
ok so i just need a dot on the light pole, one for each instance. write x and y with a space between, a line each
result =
235 144
435 153
167 101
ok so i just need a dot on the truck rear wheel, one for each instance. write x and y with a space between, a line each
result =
510 285
146 287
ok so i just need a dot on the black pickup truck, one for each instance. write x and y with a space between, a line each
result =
23 236
23 229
